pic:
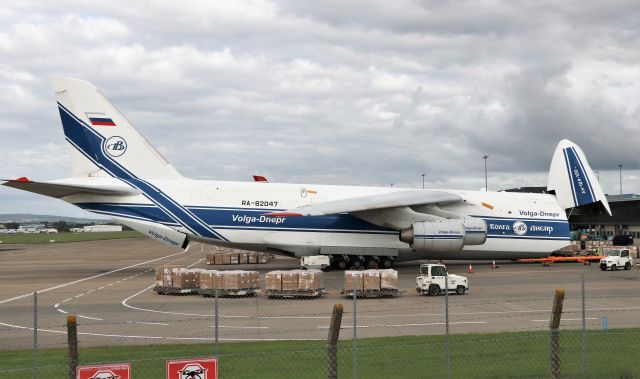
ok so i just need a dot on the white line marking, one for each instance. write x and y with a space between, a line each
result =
80 295
401 325
56 305
95 276
569 319
61 311
67 299
241 327
163 337
147 323
90 318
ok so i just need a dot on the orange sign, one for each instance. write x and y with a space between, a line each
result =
197 368
107 371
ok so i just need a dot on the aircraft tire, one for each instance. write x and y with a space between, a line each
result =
356 263
385 263
339 263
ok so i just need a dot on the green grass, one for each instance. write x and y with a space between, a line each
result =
497 355
65 237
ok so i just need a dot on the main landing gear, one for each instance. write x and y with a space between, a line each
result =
359 262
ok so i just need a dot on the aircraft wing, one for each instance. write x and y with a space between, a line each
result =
380 202
58 190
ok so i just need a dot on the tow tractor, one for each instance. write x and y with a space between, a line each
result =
617 258
431 281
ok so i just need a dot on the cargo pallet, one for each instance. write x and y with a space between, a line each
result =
175 291
247 292
295 294
371 294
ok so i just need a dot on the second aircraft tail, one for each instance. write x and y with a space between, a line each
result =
574 182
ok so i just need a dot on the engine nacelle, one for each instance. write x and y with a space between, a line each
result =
435 236
475 231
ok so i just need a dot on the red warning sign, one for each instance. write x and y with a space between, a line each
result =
197 368
107 371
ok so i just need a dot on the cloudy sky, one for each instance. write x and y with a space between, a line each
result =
331 92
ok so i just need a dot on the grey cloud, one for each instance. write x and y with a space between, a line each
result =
327 92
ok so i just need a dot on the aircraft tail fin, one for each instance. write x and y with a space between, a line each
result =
103 142
574 182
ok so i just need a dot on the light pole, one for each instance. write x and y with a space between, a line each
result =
486 186
620 167
422 181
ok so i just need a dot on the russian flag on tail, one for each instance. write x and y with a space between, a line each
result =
100 119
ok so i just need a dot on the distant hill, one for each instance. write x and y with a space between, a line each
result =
31 218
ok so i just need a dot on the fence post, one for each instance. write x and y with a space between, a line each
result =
354 347
554 331
35 335
332 341
215 312
446 323
584 331
72 340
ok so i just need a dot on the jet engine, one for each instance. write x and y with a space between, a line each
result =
475 231
435 236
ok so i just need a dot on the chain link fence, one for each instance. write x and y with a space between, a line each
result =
489 332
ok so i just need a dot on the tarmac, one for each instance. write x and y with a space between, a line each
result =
108 286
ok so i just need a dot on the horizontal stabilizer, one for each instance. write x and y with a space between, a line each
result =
58 190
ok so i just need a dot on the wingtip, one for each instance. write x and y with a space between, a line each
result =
23 179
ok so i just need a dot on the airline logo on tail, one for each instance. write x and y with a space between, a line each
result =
115 146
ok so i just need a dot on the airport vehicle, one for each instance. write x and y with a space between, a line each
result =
431 281
320 262
116 172
617 258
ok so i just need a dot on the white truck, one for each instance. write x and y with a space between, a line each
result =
431 281
617 258
320 262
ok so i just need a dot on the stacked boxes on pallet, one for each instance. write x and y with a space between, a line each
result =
295 283
164 275
185 279
239 280
211 280
371 280
273 281
389 279
235 258
353 280
371 283
290 280
310 280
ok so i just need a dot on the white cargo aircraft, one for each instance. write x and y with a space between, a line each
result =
116 172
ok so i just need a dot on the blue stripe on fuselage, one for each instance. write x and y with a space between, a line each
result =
253 219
